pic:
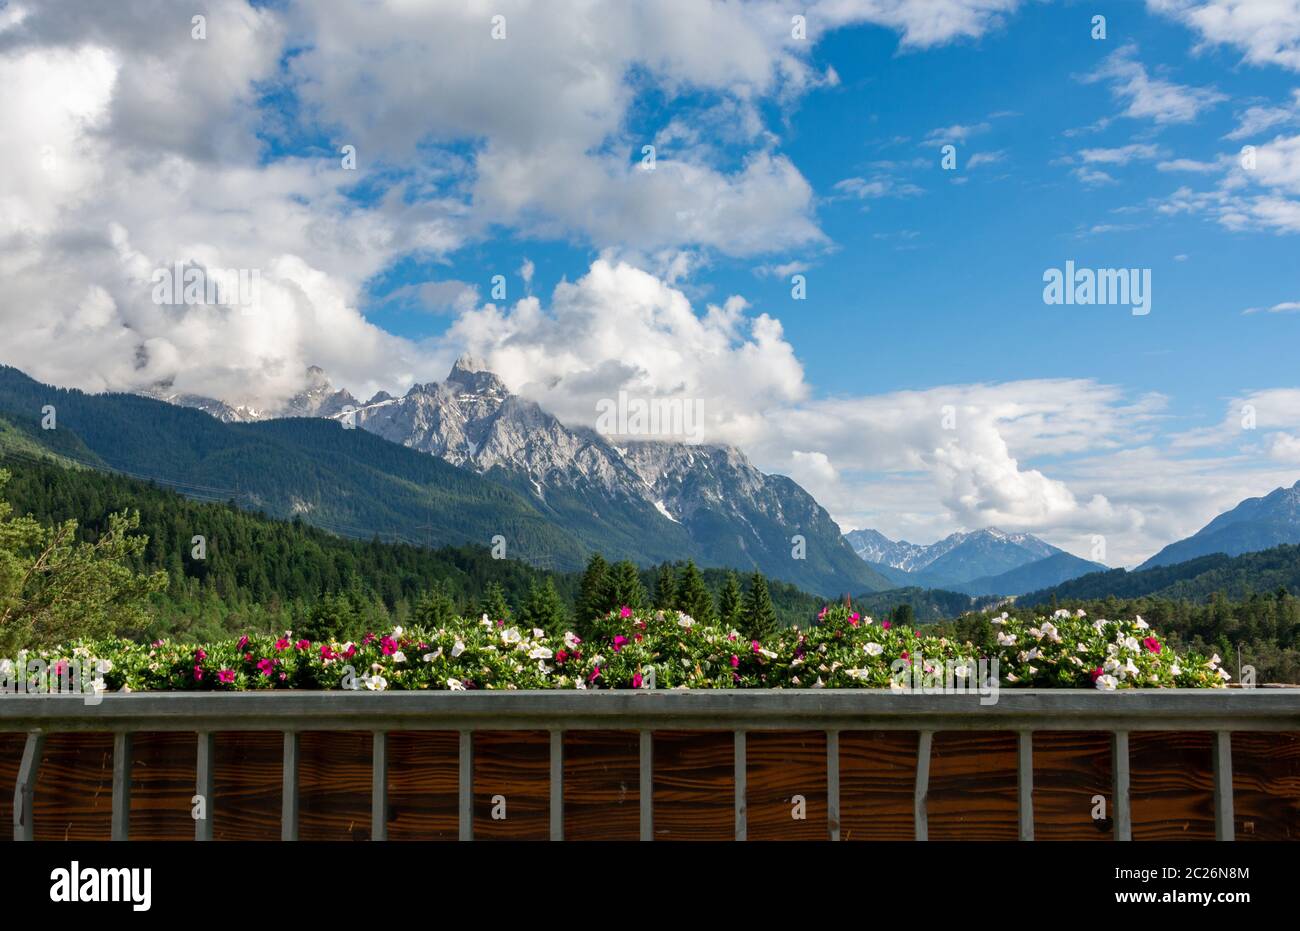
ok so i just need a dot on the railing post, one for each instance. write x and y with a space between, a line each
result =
647 793
466 790
833 783
557 785
738 767
920 811
1025 784
1120 764
1224 828
289 792
203 785
121 821
25 790
379 786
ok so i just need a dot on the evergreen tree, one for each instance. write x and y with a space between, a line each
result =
435 607
624 587
544 608
904 616
592 592
730 607
759 614
666 588
693 595
494 603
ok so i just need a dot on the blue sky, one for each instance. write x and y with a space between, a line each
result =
775 156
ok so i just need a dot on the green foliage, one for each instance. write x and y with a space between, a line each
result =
623 587
693 596
544 610
592 600
903 614
730 603
665 588
54 586
494 603
759 615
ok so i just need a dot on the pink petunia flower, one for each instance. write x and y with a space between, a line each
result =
198 673
266 666
1152 644
243 642
282 643
595 674
735 661
226 676
854 618
618 643
636 680
625 611
886 625
303 644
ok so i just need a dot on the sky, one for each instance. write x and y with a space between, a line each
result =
913 378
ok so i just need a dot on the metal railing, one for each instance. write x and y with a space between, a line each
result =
1220 712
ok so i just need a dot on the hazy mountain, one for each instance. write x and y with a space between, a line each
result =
1051 570
1254 524
956 559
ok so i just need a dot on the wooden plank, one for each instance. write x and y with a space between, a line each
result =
11 759
1172 785
247 785
121 818
74 794
163 777
512 785
24 797
878 778
335 772
379 786
1223 824
973 793
423 776
1266 786
289 788
204 788
1072 782
602 789
694 785
786 785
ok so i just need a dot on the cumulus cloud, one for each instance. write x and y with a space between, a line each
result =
1267 32
1147 97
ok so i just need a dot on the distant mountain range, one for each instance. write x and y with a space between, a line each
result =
460 461
1254 524
979 562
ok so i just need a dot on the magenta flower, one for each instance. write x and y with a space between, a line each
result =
198 673
243 642
735 660
595 674
618 643
326 652
266 666
625 611
854 618
388 646
282 643
755 645
200 654
636 680
886 625
226 676
1152 644
303 644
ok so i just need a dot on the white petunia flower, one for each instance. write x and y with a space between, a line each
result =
571 639
873 649
1005 639
1107 683
540 652
399 657
430 657
457 648
375 683
455 685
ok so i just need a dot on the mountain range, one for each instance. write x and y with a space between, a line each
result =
1254 524
979 562
455 462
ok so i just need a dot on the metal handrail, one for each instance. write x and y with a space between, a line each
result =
1220 711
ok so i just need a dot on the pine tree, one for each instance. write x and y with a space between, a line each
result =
624 587
435 607
693 596
544 608
591 594
730 607
494 603
904 616
759 614
666 588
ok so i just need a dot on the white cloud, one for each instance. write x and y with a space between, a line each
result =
1258 119
1266 31
1148 97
